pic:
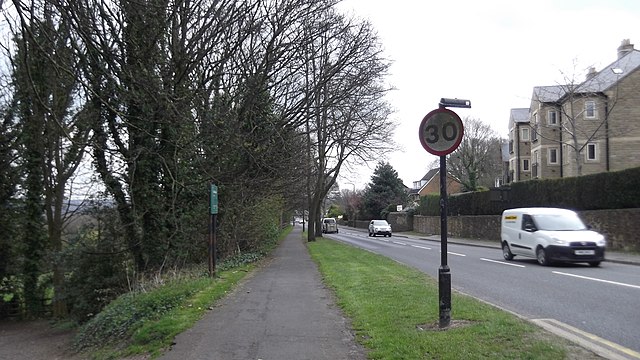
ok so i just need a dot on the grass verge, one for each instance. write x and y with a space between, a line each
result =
146 323
394 312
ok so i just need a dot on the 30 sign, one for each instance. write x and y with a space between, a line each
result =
441 132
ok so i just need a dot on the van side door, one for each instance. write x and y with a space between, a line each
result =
527 235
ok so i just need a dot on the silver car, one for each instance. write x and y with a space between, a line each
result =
329 225
379 227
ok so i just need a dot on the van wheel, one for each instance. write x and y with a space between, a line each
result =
506 252
595 263
541 256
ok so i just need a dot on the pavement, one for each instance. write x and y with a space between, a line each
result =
283 311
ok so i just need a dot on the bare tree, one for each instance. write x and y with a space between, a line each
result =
347 119
477 161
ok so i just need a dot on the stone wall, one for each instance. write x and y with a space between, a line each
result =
486 227
619 226
400 221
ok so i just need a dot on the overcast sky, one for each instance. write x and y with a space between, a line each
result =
490 52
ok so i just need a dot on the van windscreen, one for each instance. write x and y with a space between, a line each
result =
557 222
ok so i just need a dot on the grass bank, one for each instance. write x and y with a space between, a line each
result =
145 323
394 312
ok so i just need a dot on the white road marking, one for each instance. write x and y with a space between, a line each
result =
398 242
421 247
502 262
596 279
452 253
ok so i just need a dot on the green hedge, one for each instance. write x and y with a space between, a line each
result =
611 190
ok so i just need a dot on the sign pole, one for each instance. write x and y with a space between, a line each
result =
441 132
213 219
444 272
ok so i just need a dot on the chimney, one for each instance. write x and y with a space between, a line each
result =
625 48
591 73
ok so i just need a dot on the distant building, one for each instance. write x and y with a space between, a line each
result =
579 129
430 184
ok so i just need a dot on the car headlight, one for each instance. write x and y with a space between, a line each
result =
601 242
558 241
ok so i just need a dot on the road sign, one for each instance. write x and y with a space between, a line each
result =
214 200
441 132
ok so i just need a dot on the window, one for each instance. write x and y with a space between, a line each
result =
552 117
527 222
592 152
525 164
524 134
590 109
552 156
534 133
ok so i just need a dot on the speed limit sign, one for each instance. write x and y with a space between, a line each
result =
441 131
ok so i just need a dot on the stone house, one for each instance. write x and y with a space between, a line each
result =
580 128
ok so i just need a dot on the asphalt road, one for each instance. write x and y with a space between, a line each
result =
602 303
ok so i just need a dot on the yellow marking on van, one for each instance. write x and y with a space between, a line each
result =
511 217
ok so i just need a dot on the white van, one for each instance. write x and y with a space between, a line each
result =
329 225
548 235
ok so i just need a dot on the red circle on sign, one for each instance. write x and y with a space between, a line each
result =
441 131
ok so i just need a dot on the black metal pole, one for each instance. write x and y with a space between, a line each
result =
444 273
213 245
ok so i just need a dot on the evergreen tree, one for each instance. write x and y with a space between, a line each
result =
385 189
9 178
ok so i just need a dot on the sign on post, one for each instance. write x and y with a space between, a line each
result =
441 132
213 214
213 208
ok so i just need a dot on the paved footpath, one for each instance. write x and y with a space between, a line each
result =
281 312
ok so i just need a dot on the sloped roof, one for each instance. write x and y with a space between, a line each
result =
599 82
426 178
606 78
547 94
430 174
519 115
